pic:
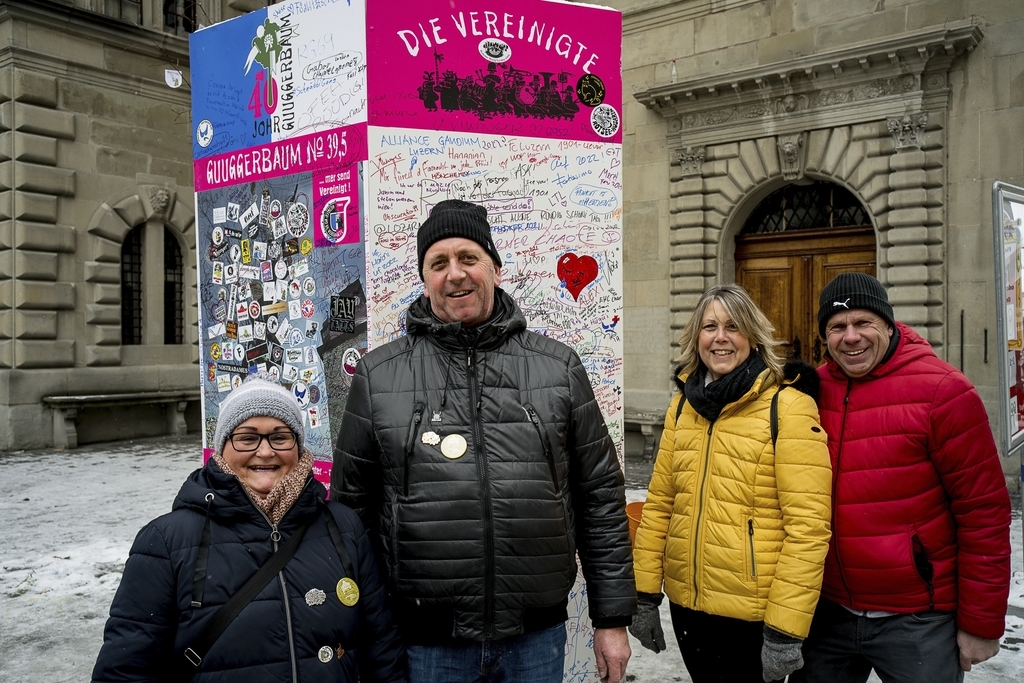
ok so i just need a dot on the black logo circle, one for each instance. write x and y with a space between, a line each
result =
590 90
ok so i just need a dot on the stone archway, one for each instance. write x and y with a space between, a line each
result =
871 117
107 229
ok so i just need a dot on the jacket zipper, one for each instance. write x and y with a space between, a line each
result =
835 486
700 510
535 419
410 443
485 487
275 536
753 561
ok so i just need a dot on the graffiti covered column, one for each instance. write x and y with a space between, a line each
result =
517 106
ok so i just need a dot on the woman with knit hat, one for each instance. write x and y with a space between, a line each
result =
252 576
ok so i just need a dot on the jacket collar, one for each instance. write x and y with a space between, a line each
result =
505 320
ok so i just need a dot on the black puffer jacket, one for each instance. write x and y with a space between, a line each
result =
482 545
151 621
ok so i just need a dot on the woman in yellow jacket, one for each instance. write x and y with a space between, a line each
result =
736 524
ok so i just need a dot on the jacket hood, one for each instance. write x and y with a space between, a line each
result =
230 502
910 347
505 320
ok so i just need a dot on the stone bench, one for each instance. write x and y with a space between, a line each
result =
649 424
66 409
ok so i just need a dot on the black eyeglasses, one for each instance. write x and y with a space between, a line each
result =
244 442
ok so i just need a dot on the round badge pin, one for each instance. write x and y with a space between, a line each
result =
325 654
453 446
315 596
348 592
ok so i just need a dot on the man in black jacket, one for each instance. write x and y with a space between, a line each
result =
477 452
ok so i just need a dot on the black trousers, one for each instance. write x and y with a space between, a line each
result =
718 649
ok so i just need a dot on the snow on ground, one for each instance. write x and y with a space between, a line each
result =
72 515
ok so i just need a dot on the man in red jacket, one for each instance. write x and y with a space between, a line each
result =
918 568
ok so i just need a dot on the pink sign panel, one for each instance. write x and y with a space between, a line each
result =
531 68
319 153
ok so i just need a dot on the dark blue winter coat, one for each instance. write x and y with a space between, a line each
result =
273 639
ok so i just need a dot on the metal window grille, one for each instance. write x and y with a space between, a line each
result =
806 207
174 291
180 16
131 287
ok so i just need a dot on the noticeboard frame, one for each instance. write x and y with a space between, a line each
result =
1009 296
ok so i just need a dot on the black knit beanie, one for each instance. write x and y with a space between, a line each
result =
456 218
848 291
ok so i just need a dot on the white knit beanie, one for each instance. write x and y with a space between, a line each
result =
258 396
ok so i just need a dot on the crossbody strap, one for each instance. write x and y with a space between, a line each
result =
774 415
226 614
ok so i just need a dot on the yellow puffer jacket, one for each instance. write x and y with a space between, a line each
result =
733 526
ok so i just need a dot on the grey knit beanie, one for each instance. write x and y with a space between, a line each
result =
848 291
258 396
456 218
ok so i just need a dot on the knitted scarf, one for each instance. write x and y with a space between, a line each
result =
708 400
285 492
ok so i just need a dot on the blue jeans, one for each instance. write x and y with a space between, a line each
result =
843 647
535 657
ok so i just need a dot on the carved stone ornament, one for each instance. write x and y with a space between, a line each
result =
908 130
159 199
791 156
691 159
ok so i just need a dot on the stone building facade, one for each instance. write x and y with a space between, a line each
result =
910 108
95 169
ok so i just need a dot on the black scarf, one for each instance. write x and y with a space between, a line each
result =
709 400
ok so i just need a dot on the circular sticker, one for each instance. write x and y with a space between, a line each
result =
305 246
590 90
275 208
309 286
301 394
494 50
349 360
236 252
294 289
308 309
204 133
605 120
453 446
274 372
272 323
280 269
254 309
297 219
333 221
218 235
314 394
348 592
295 336
215 351
236 381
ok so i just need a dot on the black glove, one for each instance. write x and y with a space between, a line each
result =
780 654
646 626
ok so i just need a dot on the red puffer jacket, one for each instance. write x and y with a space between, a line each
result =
920 514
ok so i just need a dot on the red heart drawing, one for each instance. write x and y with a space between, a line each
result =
576 272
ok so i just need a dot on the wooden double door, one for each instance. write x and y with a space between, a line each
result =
784 274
